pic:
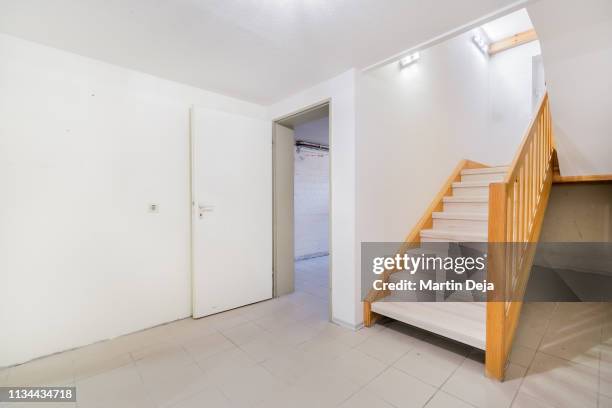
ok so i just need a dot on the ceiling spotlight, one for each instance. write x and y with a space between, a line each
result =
410 59
481 43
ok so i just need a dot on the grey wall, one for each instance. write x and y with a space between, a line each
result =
579 212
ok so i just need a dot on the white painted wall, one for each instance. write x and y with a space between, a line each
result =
577 54
85 147
414 125
311 198
311 190
340 91
510 99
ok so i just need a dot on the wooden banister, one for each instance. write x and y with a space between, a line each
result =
516 211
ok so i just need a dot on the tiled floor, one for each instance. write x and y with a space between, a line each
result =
284 353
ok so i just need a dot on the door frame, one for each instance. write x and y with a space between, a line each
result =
323 102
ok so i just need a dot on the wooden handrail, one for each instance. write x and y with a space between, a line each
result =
516 212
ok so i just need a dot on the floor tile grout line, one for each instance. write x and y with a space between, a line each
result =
449 377
537 350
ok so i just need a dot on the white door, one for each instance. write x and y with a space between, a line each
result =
231 210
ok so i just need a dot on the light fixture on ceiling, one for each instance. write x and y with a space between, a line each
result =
481 43
408 60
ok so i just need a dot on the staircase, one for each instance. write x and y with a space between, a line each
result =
464 218
478 203
465 214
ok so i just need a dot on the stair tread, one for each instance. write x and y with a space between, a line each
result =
466 184
461 321
486 170
456 215
456 234
466 199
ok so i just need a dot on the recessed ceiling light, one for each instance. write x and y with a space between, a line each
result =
410 59
481 43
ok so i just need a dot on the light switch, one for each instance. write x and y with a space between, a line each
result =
153 208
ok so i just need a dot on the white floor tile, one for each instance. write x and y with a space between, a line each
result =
186 329
530 331
605 386
386 346
356 366
90 364
328 389
222 367
561 383
324 348
291 365
243 333
522 355
169 387
605 402
208 345
264 347
3 376
161 359
444 400
523 400
469 384
250 385
209 397
57 369
366 399
400 389
293 397
121 387
39 405
430 363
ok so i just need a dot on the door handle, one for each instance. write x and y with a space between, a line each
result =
204 209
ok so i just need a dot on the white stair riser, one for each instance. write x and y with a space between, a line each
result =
466 207
471 191
460 225
456 238
426 239
493 177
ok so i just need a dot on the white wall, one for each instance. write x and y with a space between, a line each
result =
85 147
311 190
416 124
311 198
510 99
577 54
340 91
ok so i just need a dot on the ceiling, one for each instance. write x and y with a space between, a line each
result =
508 25
257 50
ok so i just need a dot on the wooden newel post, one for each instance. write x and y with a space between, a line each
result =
495 357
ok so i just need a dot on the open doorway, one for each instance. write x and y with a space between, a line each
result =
302 203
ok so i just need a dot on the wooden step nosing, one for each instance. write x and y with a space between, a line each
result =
471 184
485 170
457 215
466 199
433 233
